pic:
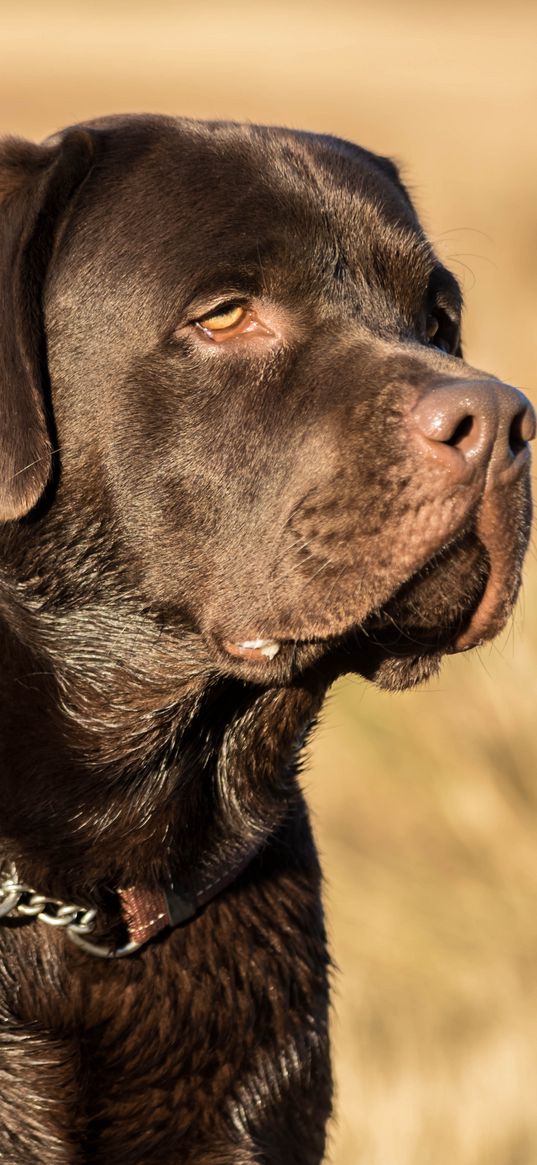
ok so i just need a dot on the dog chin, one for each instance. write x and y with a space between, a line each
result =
403 643
395 674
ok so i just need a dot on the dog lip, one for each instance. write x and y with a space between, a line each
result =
252 649
499 595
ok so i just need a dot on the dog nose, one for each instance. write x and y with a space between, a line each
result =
470 424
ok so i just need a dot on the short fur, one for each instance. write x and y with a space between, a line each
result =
159 498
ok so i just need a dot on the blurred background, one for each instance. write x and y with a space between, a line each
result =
425 804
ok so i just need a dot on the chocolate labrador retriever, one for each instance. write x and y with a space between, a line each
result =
240 454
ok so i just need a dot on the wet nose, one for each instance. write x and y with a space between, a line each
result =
472 424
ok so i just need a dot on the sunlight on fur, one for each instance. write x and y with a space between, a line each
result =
428 822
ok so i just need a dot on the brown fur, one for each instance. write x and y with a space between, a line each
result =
159 499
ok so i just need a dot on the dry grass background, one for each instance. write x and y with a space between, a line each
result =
425 804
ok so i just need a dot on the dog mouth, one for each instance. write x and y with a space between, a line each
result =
430 614
460 598
253 649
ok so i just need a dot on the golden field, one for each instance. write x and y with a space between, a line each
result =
425 804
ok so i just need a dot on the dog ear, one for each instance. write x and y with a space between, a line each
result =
36 184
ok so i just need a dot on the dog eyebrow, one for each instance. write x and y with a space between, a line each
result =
243 276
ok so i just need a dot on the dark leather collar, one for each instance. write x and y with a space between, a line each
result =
145 910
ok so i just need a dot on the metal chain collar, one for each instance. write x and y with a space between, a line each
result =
145 910
19 900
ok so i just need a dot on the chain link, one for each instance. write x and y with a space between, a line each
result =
16 898
19 900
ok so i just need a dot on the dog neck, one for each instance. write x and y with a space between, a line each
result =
126 762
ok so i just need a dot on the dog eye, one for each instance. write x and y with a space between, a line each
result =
231 319
441 331
432 328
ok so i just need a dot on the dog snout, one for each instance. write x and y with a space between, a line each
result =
473 426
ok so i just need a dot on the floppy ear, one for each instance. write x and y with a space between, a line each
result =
36 183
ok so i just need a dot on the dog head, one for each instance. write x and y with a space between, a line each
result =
232 354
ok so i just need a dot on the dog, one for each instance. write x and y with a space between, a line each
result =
240 454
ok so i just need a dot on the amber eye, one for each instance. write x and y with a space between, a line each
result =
230 319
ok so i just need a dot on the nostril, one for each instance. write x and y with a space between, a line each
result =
476 427
463 436
520 432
